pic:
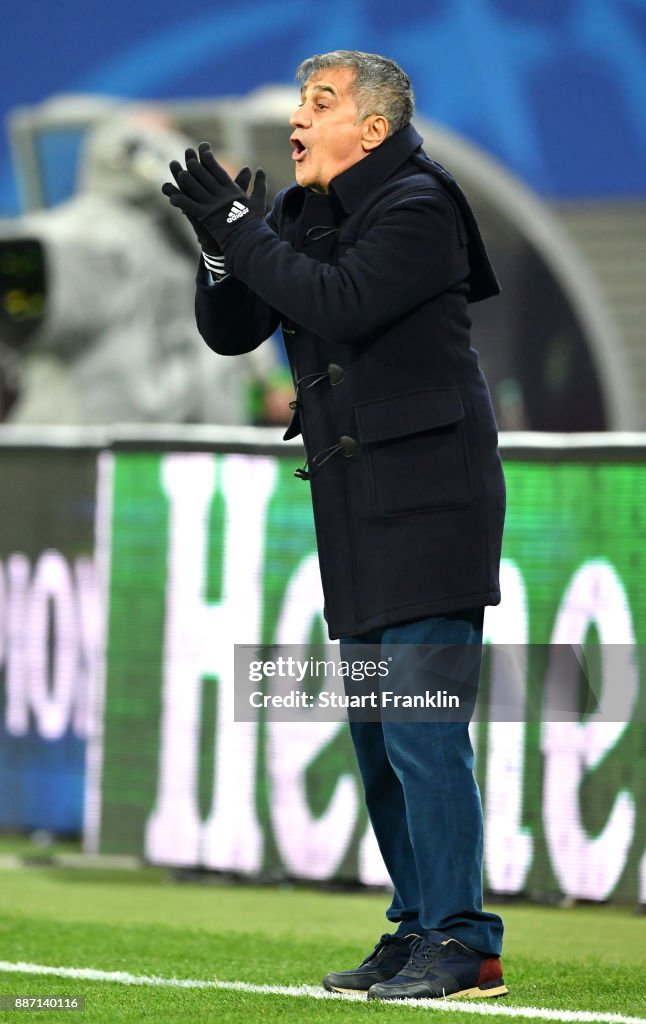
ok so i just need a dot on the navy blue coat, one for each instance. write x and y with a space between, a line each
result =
371 283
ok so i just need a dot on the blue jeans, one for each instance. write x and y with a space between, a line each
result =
423 800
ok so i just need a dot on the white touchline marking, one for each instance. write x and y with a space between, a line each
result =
312 992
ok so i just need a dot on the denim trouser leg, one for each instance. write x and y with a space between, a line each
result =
424 803
386 805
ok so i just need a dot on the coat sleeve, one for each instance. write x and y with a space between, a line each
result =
231 317
413 251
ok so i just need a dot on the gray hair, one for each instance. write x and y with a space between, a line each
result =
380 86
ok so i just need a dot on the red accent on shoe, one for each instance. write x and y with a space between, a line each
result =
490 970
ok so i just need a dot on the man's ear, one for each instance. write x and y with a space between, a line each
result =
373 131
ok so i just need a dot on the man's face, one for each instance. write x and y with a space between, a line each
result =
327 138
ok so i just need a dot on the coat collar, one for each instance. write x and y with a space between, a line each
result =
352 186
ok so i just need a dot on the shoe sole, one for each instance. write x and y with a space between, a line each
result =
497 989
491 991
346 991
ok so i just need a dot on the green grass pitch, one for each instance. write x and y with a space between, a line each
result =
142 922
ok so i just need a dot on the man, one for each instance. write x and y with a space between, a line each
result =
368 262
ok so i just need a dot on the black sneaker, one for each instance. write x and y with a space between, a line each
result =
441 967
391 953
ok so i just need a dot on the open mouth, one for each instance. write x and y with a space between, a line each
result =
299 149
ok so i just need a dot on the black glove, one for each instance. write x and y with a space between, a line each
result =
208 244
214 203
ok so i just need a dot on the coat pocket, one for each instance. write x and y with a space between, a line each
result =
416 451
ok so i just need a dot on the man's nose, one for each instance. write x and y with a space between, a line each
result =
300 118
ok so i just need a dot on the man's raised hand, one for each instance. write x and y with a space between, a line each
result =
214 203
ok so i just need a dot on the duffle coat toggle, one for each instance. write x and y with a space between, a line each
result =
346 444
334 374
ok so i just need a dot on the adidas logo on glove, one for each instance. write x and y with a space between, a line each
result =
236 212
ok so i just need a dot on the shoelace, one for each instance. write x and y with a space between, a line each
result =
429 952
387 940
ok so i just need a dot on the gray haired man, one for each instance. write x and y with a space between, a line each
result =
368 263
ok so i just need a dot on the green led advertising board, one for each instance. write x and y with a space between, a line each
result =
206 550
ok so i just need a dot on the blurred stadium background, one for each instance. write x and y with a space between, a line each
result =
148 515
